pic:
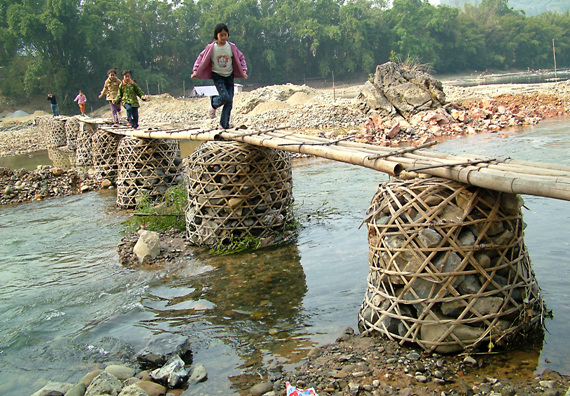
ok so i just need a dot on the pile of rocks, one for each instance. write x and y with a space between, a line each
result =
20 139
44 182
398 93
166 364
410 107
470 118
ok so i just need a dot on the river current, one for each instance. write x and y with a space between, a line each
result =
66 304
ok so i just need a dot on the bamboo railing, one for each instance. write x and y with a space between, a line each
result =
499 174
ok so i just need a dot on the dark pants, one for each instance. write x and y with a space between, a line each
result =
132 115
54 109
225 87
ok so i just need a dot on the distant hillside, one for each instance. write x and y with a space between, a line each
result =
530 7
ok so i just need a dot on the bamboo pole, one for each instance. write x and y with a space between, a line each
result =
537 167
506 175
195 134
530 168
525 167
554 55
356 158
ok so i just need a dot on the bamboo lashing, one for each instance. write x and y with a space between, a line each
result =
501 174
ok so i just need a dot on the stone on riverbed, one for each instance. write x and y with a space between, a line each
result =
104 384
172 374
78 390
61 387
197 374
160 349
148 245
133 390
120 371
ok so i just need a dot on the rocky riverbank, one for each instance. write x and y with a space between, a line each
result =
19 186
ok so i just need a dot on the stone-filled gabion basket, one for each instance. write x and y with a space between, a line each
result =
449 269
236 191
56 132
71 132
146 167
62 157
83 152
104 151
43 123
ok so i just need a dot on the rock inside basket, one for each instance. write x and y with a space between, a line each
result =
449 269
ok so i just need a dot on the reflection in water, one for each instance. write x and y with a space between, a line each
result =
248 293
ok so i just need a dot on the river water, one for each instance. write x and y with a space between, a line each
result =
66 304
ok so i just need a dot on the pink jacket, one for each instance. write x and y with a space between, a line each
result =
80 99
203 65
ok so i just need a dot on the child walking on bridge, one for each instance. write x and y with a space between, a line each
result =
81 100
128 93
221 61
111 88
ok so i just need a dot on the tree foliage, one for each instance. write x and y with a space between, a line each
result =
66 45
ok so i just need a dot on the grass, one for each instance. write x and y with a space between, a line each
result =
161 215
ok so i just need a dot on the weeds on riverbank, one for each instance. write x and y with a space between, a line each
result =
162 215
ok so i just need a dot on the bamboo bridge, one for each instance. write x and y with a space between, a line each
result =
449 269
499 174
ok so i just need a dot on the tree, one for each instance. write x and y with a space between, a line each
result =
52 40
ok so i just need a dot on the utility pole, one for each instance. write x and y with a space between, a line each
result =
554 54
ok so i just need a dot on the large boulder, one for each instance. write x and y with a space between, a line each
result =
397 92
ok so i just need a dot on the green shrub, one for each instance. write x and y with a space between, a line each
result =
161 215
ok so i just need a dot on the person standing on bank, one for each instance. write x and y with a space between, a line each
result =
81 99
54 109
128 93
111 88
221 61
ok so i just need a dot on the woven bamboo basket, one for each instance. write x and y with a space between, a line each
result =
147 167
71 132
83 152
236 191
449 269
56 132
62 157
104 151
43 123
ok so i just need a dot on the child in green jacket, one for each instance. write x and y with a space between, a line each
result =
128 93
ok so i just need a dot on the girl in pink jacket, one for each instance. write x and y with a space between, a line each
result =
221 61
81 99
